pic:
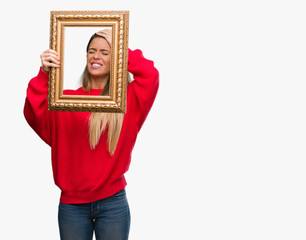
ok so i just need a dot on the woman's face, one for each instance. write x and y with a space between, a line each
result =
98 58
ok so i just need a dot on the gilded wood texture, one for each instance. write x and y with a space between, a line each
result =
116 102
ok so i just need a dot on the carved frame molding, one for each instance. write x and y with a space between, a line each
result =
116 101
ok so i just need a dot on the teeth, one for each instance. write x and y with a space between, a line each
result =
95 65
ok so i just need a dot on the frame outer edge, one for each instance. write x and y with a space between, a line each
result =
56 106
126 50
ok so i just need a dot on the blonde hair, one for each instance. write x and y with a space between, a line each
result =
98 124
98 121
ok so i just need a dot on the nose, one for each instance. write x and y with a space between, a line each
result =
97 55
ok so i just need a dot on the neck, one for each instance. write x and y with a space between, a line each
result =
98 82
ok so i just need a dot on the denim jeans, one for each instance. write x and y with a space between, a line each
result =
108 218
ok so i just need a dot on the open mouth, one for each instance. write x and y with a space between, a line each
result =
96 65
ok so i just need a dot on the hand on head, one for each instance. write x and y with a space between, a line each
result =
107 34
49 58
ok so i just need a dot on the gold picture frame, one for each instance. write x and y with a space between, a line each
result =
61 22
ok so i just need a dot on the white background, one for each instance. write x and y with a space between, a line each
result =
75 54
222 153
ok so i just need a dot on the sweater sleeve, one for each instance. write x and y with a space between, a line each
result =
145 85
36 106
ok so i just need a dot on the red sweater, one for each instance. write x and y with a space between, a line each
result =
82 174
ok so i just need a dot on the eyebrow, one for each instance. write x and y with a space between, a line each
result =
103 49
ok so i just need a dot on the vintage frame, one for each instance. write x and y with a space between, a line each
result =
116 101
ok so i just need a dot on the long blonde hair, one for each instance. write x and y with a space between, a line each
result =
99 122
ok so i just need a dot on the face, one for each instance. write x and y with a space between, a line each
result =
98 58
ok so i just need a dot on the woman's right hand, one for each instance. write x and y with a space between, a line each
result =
49 58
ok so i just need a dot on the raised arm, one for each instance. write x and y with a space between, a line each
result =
144 88
36 103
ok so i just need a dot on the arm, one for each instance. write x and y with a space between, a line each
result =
145 85
36 104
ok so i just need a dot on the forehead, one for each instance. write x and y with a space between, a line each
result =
99 43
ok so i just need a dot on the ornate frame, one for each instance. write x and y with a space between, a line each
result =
118 21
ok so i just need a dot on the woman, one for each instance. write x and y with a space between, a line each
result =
92 151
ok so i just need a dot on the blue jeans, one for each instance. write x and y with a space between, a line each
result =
108 218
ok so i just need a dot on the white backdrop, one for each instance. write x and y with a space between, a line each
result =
76 40
222 153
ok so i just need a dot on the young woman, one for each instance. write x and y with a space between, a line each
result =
92 151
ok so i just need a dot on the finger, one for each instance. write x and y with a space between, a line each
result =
103 34
52 52
49 55
54 65
49 52
50 59
50 64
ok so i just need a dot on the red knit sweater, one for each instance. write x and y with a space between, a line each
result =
82 174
